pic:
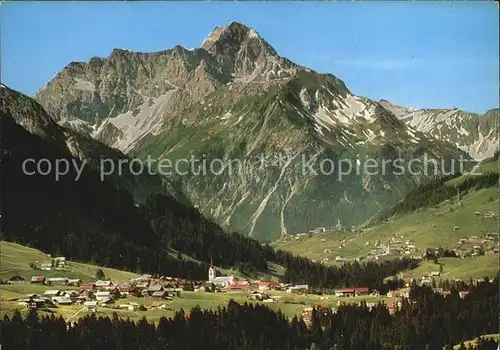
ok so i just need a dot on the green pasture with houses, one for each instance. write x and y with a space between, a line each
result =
16 259
429 228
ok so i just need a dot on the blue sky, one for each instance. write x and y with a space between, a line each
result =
419 54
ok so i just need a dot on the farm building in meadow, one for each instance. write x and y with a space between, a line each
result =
38 279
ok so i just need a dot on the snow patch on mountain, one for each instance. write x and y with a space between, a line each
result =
353 108
425 120
395 109
484 147
77 123
354 105
84 85
462 131
304 98
253 34
135 126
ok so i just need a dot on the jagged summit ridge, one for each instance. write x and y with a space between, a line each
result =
234 36
244 54
235 30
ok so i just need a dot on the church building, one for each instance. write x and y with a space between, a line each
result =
222 281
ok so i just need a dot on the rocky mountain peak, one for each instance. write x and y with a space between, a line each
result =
233 38
27 113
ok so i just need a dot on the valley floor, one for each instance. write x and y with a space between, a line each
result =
290 305
16 259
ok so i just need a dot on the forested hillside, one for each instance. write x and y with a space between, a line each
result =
99 221
86 220
353 274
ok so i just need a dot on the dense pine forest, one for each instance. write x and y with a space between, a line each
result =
425 321
351 274
183 228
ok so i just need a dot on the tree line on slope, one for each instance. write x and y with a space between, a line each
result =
428 321
351 274
433 193
94 221
185 229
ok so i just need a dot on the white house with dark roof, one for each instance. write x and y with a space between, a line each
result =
103 295
90 305
74 282
100 284
57 281
52 293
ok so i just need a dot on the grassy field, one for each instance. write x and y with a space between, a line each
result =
289 304
428 228
434 227
474 267
15 259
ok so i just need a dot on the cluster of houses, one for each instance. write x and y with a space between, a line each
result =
396 297
489 214
307 311
394 246
475 246
405 292
58 263
56 281
426 278
337 228
102 292
351 292
429 278
234 284
467 246
394 302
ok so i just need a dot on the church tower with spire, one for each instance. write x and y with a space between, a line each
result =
211 270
